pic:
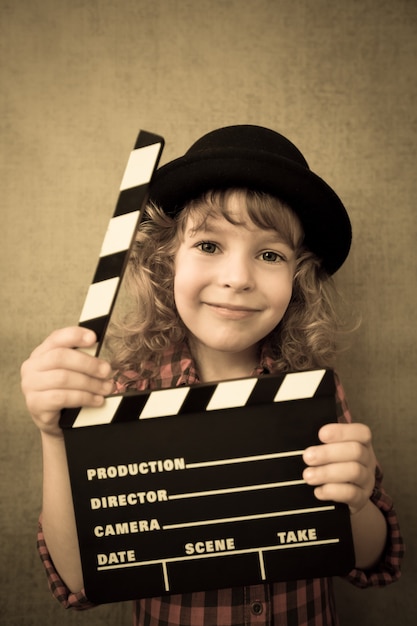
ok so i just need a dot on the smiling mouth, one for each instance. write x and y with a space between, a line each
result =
232 311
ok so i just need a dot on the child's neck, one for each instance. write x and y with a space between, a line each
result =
217 365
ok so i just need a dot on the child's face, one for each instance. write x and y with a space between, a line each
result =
233 283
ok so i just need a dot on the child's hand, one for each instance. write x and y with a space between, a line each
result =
344 467
56 376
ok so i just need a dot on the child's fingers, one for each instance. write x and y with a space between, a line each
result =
338 473
333 433
343 442
57 376
45 404
73 360
47 396
345 493
71 337
65 379
350 483
46 407
57 353
49 389
343 468
337 453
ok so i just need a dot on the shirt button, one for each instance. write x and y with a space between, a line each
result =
257 608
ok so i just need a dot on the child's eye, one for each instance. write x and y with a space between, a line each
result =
272 257
207 246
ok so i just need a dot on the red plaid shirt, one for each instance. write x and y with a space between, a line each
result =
296 603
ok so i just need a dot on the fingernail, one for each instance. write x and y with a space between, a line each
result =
308 474
104 370
89 337
308 455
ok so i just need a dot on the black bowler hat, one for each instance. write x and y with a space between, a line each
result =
258 158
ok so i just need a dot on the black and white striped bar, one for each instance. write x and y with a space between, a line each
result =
200 398
134 191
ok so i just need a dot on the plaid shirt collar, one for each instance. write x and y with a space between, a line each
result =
178 368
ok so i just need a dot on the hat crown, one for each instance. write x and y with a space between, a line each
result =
254 139
258 158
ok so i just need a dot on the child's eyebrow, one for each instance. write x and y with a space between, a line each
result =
203 227
275 237
211 229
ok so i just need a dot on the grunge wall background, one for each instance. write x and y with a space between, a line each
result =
79 78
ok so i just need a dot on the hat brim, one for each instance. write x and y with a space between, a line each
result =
324 218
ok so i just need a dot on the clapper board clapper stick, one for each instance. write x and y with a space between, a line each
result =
199 487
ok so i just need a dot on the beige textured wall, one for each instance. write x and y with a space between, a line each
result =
79 78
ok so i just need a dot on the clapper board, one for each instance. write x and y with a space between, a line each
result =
196 487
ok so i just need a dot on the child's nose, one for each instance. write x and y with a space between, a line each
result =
237 275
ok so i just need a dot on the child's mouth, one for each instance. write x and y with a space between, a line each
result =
231 311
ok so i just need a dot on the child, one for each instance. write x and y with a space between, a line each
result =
231 277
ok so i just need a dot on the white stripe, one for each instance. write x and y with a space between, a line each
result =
140 166
164 402
262 565
119 233
232 393
246 459
217 492
246 518
299 385
304 544
99 299
165 571
89 416
91 351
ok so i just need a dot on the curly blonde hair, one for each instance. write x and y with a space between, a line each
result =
304 339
